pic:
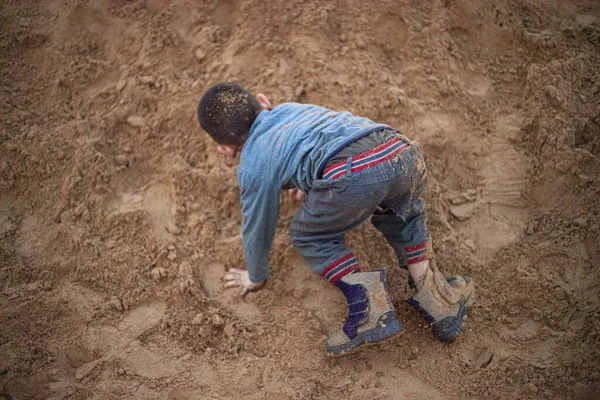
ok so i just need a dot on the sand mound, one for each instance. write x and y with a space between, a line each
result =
118 218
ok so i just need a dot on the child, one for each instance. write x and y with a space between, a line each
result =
350 169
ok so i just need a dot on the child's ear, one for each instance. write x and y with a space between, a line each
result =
264 102
226 150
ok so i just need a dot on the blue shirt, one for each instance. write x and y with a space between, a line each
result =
287 146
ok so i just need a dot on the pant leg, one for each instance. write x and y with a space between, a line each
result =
319 227
402 217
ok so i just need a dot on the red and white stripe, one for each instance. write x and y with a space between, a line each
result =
340 268
416 253
368 159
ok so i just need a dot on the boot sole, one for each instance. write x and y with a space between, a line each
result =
367 338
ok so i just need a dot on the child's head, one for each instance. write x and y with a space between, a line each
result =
226 112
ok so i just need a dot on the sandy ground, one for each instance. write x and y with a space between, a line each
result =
118 218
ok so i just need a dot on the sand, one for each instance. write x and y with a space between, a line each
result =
118 217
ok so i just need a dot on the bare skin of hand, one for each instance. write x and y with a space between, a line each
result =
240 277
296 194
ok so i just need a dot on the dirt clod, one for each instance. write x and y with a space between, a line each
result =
121 85
198 318
300 293
529 389
80 210
86 369
580 222
147 80
485 357
122 159
217 320
136 121
117 305
414 351
229 330
470 244
300 90
200 54
463 211
185 269
158 273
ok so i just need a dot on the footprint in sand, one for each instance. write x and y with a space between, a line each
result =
156 200
114 342
505 175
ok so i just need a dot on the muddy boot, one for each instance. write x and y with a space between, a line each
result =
464 285
371 316
443 302
456 281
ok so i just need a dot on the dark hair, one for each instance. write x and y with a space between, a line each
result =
227 112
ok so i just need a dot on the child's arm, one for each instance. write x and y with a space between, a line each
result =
260 208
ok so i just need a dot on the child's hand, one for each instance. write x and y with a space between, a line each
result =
240 277
296 194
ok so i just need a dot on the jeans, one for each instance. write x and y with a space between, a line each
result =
389 191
